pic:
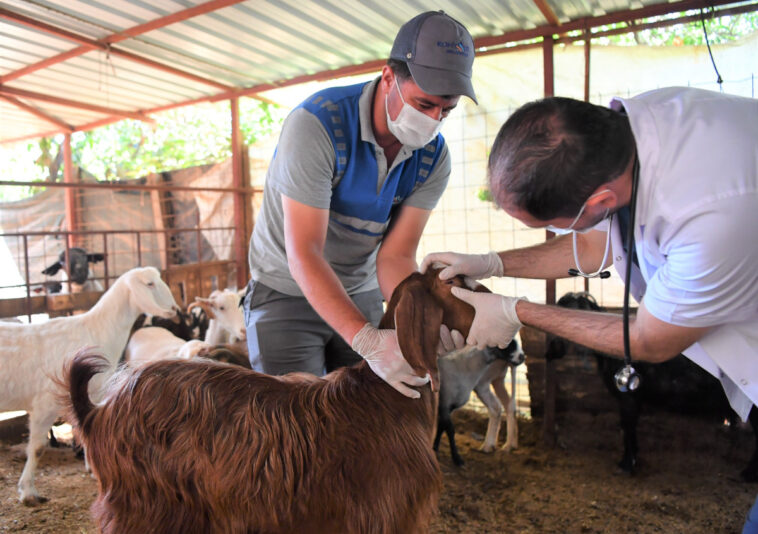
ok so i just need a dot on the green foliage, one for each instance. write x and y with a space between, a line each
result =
720 30
179 138
184 137
21 163
485 195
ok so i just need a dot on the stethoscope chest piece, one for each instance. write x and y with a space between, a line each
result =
627 379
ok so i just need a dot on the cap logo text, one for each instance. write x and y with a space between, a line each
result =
454 47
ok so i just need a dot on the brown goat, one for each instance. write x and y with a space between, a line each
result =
234 353
202 447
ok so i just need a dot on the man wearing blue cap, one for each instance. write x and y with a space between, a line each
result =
355 175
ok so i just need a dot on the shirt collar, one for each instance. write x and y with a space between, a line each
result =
365 110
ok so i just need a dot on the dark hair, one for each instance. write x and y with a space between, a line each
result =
400 68
551 154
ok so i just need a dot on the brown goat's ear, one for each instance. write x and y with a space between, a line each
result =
417 322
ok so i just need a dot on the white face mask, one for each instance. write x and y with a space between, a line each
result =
570 228
412 128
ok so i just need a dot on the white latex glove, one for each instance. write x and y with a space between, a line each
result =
495 321
382 352
450 340
477 266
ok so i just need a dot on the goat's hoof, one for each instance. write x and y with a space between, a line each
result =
33 500
628 466
508 447
487 449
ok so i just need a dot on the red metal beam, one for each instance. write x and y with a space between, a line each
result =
179 16
166 68
662 23
547 12
587 42
37 113
352 70
491 45
548 67
133 187
593 22
69 194
487 42
12 91
27 137
549 90
88 44
38 25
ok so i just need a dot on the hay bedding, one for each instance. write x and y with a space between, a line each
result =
688 481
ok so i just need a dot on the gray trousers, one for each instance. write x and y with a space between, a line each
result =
285 334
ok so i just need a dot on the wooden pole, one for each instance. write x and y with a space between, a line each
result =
69 194
587 39
548 419
238 180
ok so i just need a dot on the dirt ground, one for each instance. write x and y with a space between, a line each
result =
688 481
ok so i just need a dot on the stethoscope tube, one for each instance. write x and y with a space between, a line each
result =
627 378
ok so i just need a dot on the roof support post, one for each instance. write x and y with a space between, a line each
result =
238 179
587 41
69 192
548 416
587 44
549 89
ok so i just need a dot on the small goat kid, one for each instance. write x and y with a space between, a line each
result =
153 343
31 355
196 446
224 310
468 369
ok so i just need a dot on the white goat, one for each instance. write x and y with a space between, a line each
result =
153 343
32 356
227 323
469 369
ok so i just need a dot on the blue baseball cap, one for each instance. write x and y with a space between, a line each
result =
439 52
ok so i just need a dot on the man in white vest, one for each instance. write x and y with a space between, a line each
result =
569 165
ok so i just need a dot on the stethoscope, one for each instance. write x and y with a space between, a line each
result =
626 378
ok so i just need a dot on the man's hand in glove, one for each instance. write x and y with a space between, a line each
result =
495 321
476 266
382 352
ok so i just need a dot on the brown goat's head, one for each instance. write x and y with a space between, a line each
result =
417 308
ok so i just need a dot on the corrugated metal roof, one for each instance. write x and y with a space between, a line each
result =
79 63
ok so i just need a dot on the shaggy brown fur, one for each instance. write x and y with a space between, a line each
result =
202 447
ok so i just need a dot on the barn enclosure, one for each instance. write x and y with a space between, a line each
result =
70 68
182 222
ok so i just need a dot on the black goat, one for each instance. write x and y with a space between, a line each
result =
192 324
78 268
678 384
